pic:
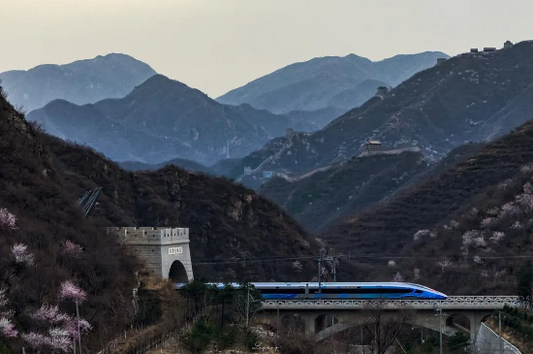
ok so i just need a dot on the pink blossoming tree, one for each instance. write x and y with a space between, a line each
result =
7 219
50 314
398 277
7 328
72 249
70 291
497 236
21 254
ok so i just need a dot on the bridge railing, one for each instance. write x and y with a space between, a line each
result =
451 303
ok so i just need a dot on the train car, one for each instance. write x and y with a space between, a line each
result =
347 290
344 290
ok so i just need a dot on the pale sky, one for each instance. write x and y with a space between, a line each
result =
218 45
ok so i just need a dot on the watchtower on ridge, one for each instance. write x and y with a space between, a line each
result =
372 145
165 251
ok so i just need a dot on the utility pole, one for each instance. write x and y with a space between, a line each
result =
500 330
277 317
321 258
247 304
440 314
320 274
78 317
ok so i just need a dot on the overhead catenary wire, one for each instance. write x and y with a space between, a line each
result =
351 257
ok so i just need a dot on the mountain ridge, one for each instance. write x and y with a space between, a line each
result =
316 200
436 110
82 81
164 119
289 88
458 228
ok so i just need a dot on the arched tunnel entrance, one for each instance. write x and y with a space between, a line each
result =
177 273
459 321
324 321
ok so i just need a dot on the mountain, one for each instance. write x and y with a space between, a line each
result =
46 242
227 222
163 119
464 230
188 165
83 81
224 166
309 121
316 199
340 82
470 97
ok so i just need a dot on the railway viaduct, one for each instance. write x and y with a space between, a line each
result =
166 253
323 318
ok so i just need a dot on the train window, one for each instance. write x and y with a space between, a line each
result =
365 291
282 291
395 291
418 292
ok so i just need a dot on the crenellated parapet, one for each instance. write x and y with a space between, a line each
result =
151 235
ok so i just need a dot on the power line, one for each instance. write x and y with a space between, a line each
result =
351 257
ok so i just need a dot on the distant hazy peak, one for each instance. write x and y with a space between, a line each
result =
113 75
329 81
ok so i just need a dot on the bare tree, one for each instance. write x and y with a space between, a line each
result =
3 92
20 109
247 303
386 319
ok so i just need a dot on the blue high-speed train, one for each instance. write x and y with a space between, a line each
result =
342 290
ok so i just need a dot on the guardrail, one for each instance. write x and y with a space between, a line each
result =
451 303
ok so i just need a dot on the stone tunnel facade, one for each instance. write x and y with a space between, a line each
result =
165 251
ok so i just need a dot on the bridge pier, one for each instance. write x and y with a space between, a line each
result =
310 328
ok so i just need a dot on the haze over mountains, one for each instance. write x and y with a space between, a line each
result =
83 81
157 120
470 97
163 119
340 82
374 203
188 165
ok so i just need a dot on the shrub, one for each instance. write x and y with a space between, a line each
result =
149 307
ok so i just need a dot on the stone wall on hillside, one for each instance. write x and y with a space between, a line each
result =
488 341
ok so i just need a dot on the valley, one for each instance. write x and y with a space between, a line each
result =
295 212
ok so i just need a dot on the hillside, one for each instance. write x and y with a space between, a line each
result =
344 188
183 163
83 81
50 250
460 230
470 97
163 119
314 120
47 244
228 223
340 82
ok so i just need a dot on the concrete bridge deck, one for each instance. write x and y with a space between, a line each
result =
452 303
